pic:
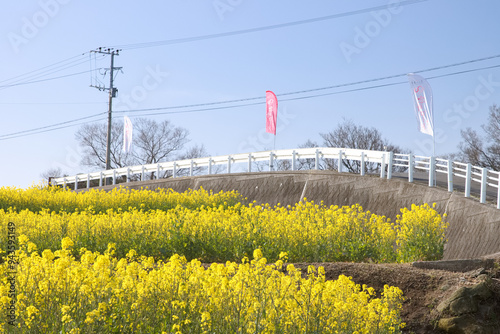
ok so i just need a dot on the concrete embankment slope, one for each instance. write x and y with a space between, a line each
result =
474 229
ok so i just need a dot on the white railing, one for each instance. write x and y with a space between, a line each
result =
387 161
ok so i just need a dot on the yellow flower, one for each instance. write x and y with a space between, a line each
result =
67 243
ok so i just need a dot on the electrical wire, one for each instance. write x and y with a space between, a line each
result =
58 126
328 87
9 135
259 29
42 80
295 98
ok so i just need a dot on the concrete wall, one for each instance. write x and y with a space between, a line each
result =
474 228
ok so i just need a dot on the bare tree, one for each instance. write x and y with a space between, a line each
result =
157 142
51 173
93 139
483 151
349 135
153 142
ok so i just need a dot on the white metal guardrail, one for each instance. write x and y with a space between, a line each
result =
387 161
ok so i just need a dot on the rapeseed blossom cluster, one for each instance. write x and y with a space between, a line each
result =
100 293
218 227
56 199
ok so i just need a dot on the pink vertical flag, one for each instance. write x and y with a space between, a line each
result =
422 100
271 112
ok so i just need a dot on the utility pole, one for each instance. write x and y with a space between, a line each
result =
112 93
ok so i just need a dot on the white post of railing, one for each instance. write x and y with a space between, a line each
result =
498 193
100 179
293 160
158 171
249 162
209 166
76 182
191 168
229 164
174 172
468 179
142 173
316 160
339 168
270 161
389 167
362 172
432 171
382 167
128 174
450 175
114 176
411 169
88 181
64 184
484 183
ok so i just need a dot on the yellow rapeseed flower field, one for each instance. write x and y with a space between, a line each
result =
103 294
130 262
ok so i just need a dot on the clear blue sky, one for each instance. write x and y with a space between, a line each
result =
399 38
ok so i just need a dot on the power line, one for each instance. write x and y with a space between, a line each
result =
51 103
42 68
329 87
17 134
42 80
259 29
295 98
207 106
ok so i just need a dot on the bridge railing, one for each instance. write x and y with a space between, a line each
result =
386 161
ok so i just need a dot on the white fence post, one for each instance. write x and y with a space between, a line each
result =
100 179
339 168
229 164
382 167
142 173
114 176
76 182
128 174
484 183
411 165
191 168
468 179
316 160
64 184
432 171
389 167
450 175
158 171
271 161
293 160
249 162
174 172
362 172
209 166
88 181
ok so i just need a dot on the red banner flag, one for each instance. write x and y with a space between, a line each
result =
271 112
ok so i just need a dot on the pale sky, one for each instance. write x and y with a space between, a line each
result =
252 46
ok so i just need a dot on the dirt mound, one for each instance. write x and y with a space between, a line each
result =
424 290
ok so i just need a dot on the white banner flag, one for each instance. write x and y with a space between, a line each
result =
127 134
422 100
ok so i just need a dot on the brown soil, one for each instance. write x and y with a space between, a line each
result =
423 289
